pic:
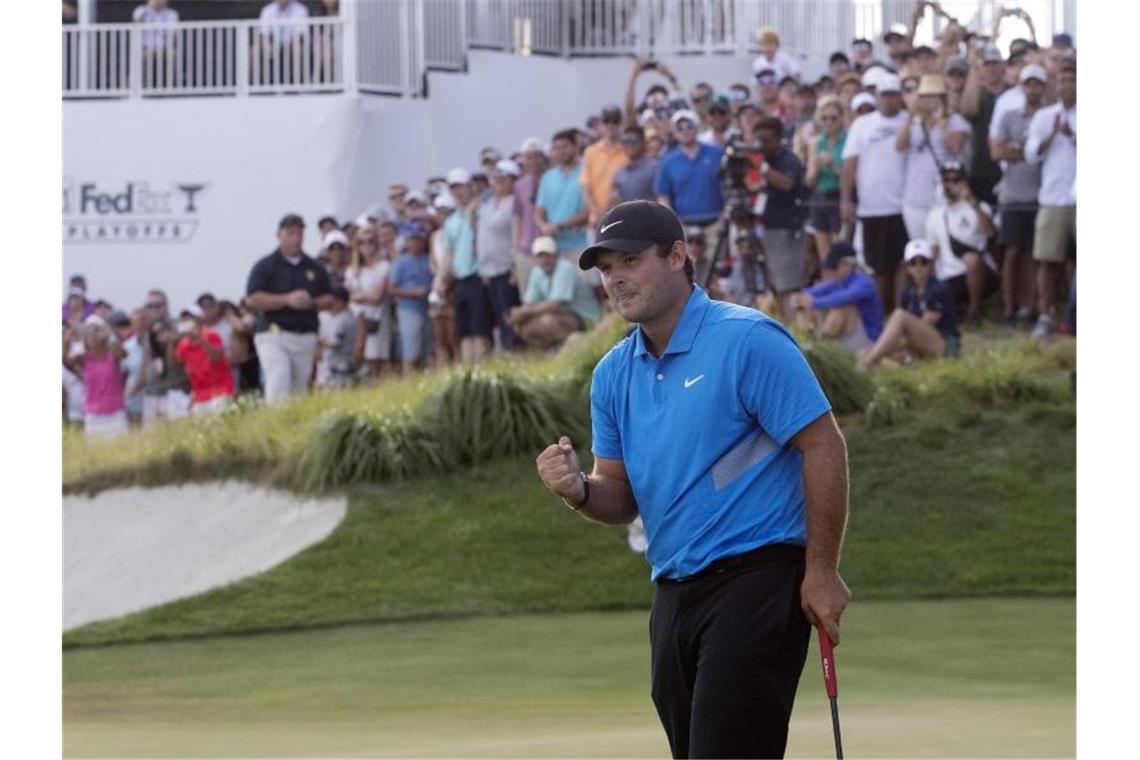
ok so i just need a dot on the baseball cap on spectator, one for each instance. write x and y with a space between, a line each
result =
695 234
1020 45
415 229
544 244
657 88
508 167
957 64
334 237
839 56
529 144
872 76
916 248
685 115
489 156
1033 71
444 201
458 176
992 55
837 253
719 103
646 116
291 220
765 74
340 293
416 197
631 227
862 44
119 319
862 99
896 33
191 311
1062 40
889 82
611 113
478 176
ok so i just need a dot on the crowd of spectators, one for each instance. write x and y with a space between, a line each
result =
881 205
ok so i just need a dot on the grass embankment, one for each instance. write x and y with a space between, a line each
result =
966 488
960 678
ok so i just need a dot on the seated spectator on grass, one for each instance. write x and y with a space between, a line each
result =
201 351
411 282
845 307
106 415
959 230
924 324
558 301
336 344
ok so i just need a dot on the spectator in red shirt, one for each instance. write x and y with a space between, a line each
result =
202 353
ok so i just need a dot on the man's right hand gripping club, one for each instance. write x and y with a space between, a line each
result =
605 495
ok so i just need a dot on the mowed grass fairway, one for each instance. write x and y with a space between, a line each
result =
949 678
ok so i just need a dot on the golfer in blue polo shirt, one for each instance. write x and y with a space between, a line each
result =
708 422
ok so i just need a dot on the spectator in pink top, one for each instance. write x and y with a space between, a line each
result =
106 415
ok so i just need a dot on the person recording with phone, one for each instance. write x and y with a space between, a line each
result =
959 231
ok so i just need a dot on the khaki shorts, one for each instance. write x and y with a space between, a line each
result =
1056 227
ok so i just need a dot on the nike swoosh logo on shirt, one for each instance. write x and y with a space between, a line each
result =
602 231
691 382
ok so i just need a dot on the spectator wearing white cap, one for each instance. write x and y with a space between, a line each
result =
335 255
496 236
768 40
872 166
105 413
441 305
557 302
1017 200
560 206
532 159
930 136
473 315
600 162
924 324
862 104
688 180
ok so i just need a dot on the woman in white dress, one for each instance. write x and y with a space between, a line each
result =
367 283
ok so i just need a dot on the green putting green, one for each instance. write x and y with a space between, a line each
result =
954 678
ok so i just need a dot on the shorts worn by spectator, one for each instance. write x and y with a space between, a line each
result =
958 230
845 307
691 360
203 354
287 288
557 301
924 324
875 169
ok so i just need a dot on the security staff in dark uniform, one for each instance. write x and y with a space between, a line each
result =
710 425
287 288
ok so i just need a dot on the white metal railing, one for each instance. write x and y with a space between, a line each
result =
203 58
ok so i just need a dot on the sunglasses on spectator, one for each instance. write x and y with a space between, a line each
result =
864 109
918 261
832 117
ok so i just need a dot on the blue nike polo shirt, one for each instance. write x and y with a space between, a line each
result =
704 433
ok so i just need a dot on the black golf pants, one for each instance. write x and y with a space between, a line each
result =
728 646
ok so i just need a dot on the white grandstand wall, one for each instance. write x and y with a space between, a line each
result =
130 164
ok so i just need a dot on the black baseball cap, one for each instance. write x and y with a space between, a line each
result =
291 220
838 252
611 113
631 227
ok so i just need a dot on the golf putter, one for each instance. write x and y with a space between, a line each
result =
827 657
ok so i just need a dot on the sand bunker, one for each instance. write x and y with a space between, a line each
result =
129 549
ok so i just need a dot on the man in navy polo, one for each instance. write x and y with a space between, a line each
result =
708 422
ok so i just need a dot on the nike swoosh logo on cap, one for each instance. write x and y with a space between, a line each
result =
602 231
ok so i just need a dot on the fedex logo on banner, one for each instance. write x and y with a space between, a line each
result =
133 212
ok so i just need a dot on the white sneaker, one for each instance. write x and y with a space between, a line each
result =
1043 327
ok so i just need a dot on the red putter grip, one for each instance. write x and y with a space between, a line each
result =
828 659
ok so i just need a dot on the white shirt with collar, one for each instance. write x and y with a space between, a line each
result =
283 32
1059 163
144 14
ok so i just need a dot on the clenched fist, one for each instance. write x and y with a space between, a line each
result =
559 468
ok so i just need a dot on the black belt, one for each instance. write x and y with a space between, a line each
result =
769 553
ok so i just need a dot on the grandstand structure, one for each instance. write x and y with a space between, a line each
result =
183 144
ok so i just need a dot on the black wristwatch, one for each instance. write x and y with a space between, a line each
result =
585 493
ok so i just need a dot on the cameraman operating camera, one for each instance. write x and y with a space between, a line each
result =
781 177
